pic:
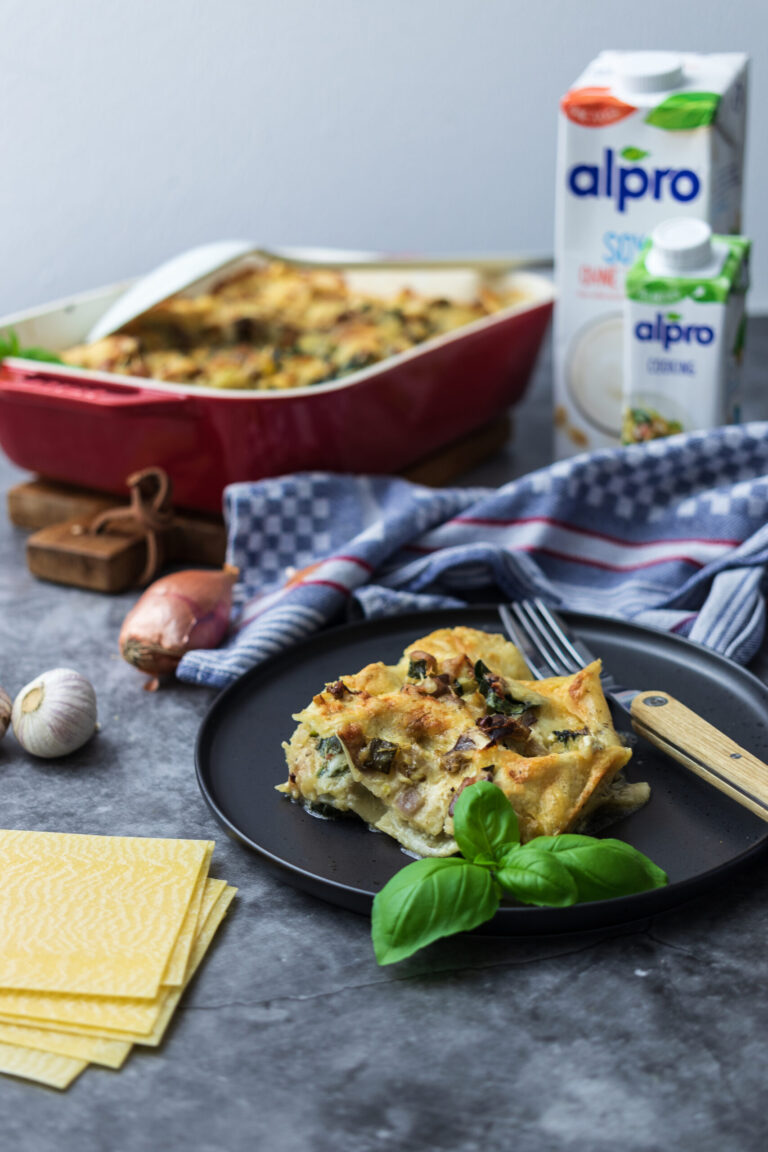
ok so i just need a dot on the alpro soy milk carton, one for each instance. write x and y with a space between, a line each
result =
684 331
643 137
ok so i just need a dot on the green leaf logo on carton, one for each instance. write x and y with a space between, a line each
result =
634 154
684 110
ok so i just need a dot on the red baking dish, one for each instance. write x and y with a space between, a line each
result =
94 429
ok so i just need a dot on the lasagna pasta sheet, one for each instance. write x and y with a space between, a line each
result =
94 915
43 1067
56 1058
117 1018
100 938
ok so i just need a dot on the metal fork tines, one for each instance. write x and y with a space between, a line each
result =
549 648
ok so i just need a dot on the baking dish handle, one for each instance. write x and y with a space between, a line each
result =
64 391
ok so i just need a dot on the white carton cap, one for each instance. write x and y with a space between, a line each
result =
683 248
648 71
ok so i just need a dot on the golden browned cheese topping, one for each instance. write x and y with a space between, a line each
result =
397 744
277 326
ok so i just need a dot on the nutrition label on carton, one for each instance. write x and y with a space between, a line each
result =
643 137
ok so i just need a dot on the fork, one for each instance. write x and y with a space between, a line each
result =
551 649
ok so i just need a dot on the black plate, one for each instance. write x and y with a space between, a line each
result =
695 833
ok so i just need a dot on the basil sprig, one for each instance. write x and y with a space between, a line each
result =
10 345
436 897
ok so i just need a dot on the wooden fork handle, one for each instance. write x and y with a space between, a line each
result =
707 751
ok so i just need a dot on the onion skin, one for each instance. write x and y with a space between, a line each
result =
5 711
175 615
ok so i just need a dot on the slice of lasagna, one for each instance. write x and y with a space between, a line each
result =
396 744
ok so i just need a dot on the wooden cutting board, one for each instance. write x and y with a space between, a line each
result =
64 550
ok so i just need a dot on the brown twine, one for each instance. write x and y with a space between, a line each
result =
149 512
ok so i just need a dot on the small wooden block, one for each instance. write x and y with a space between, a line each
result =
113 561
69 554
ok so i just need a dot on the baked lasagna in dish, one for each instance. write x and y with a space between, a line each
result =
396 744
278 326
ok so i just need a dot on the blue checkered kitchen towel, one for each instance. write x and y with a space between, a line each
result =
671 534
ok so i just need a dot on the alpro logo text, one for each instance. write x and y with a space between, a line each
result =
623 183
668 331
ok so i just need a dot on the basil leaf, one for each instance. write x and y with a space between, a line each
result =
428 899
41 354
10 345
602 869
484 821
537 877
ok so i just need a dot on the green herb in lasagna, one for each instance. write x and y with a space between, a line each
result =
565 735
494 689
334 758
379 756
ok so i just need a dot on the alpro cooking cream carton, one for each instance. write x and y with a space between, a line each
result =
643 137
684 331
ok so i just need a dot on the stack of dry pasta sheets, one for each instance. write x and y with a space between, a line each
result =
99 936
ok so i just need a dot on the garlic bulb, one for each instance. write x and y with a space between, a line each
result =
5 712
55 714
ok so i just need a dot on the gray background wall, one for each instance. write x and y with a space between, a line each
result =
131 130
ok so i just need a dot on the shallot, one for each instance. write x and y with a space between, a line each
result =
176 614
55 714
